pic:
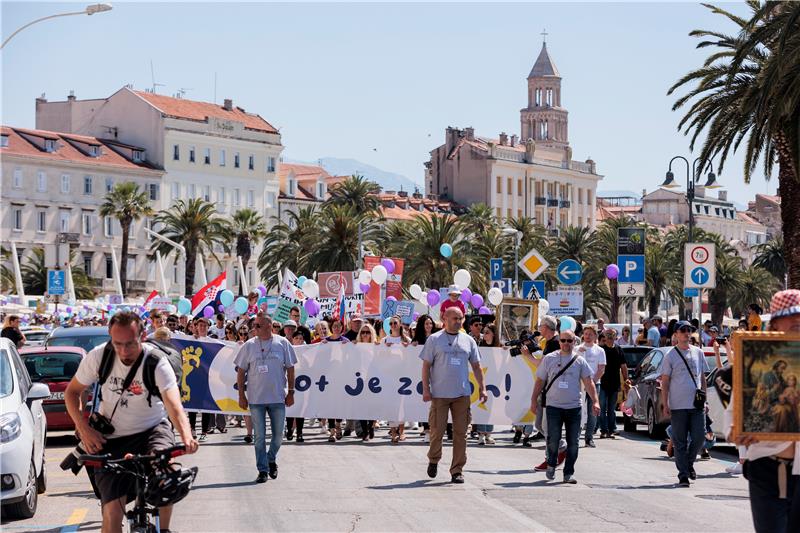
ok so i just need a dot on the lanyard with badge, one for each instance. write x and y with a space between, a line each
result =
262 367
452 359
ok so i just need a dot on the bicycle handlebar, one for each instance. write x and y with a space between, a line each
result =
102 460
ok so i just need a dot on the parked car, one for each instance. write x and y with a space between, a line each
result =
633 356
23 430
715 409
87 337
54 366
35 336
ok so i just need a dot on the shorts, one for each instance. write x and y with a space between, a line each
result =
113 486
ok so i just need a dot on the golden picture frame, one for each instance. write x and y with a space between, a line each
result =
766 394
517 314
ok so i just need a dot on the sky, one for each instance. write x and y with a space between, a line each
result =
380 82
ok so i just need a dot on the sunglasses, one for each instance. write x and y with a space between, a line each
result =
394 323
566 341
684 329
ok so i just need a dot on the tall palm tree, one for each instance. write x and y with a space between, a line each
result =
769 256
247 228
757 286
478 218
357 192
127 204
34 275
607 234
288 245
195 225
747 91
335 244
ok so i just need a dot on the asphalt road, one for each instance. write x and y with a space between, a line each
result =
625 484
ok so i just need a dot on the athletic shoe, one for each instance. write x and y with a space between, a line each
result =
426 437
613 435
591 444
273 470
433 469
692 473
704 455
489 439
457 478
262 477
300 438
248 439
540 468
203 437
526 442
734 469
551 472
569 479
684 482
603 435
517 436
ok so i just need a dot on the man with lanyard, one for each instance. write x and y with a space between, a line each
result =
138 427
560 375
548 327
266 362
446 358
772 469
682 376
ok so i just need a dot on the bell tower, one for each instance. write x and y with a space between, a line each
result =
544 120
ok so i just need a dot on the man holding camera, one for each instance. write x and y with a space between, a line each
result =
683 394
126 420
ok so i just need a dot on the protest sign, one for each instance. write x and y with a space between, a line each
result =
393 285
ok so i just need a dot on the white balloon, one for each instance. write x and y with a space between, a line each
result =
423 298
462 279
415 291
544 307
495 296
364 277
379 274
310 288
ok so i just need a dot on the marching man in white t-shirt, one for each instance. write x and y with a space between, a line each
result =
596 358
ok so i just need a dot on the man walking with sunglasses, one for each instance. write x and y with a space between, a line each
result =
559 376
683 390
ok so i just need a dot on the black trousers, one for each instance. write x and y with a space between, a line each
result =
206 421
293 423
773 512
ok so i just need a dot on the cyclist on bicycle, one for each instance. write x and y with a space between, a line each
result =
130 423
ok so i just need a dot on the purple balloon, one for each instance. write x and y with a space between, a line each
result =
311 306
388 264
391 299
612 271
484 311
476 301
69 310
466 296
415 316
364 287
433 297
263 290
208 311
109 307
221 308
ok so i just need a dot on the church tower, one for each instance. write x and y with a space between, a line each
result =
544 120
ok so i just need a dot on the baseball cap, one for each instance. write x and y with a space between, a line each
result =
785 303
291 323
684 324
715 329
454 290
356 316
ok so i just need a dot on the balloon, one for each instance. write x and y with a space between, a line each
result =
262 300
221 308
423 298
476 300
388 264
446 250
544 307
263 290
484 310
462 279
311 306
567 323
364 277
466 295
495 296
415 291
240 305
391 299
128 309
386 326
301 280
379 274
208 311
364 287
433 297
612 271
226 298
311 288
69 310
415 316
184 306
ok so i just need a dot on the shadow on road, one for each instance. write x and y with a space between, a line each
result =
420 483
520 484
502 472
223 485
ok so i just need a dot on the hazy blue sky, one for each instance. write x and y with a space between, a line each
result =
380 82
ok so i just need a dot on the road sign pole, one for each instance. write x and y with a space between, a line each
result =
516 270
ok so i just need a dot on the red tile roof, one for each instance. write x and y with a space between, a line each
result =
398 213
193 110
20 146
747 218
301 172
770 198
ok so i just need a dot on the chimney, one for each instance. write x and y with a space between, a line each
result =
451 138
514 140
644 193
42 99
723 196
228 105
503 139
470 133
71 96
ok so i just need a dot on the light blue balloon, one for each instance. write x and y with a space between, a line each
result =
567 323
301 280
184 306
240 305
446 250
226 298
386 326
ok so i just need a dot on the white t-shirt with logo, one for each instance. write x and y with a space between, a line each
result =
133 415
594 355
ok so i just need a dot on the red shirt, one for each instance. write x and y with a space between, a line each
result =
447 304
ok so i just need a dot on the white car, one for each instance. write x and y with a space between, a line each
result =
23 430
35 336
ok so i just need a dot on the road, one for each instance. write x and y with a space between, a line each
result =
625 484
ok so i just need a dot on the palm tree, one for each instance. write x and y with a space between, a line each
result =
769 256
757 286
607 234
747 91
335 243
357 192
247 228
7 280
195 225
34 275
478 218
288 245
127 204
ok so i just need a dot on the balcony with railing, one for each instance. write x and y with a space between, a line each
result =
563 203
540 200
552 202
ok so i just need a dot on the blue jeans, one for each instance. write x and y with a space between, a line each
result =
591 418
277 421
688 426
571 419
483 428
771 513
608 416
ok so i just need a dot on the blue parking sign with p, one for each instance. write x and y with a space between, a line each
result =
495 269
631 268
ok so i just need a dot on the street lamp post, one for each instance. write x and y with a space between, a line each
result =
518 234
90 10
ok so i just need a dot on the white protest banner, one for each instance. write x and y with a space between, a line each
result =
367 382
160 302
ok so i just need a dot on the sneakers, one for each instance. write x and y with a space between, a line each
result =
273 470
591 444
692 473
203 437
603 435
289 435
426 437
734 469
570 480
526 442
518 436
482 440
489 439
262 477
249 439
457 478
684 482
433 469
300 438
704 455
541 467
551 472
613 435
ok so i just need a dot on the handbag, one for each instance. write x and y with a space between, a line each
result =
699 394
549 384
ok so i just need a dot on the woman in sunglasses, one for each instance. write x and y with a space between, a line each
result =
396 336
366 335
230 332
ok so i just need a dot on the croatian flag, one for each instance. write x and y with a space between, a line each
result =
150 298
208 295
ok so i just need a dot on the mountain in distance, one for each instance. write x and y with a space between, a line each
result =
390 181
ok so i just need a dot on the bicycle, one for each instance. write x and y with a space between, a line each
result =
157 483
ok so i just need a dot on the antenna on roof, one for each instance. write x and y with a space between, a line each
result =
153 78
215 87
182 91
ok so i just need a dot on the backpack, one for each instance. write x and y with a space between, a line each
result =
157 351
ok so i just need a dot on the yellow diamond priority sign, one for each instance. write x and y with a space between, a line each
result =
533 264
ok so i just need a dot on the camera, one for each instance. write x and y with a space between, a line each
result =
525 339
722 339
100 423
70 462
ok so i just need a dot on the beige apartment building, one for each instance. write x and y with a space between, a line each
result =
531 175
221 153
53 185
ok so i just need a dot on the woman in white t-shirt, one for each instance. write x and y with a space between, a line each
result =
596 357
396 336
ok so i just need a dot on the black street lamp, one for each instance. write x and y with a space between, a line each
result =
711 183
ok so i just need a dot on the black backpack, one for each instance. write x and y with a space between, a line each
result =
158 350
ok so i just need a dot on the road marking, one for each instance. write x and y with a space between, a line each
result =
74 520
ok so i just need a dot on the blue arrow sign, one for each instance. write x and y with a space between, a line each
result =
631 268
569 272
528 287
495 269
700 275
56 282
